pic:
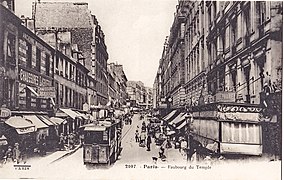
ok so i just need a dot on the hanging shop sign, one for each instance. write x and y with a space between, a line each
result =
46 92
5 113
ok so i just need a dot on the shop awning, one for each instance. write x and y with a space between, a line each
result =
70 113
46 120
36 121
170 115
82 115
182 125
177 119
21 124
57 120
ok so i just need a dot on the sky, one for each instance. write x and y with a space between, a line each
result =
135 31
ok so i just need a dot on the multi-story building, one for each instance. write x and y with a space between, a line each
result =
228 62
139 95
84 32
27 71
120 84
99 63
172 63
27 92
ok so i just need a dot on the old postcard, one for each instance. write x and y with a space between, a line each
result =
141 89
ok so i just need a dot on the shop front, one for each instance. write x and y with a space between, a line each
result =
20 130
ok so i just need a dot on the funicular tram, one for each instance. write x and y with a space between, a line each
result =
102 141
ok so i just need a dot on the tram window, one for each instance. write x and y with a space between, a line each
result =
95 137
105 136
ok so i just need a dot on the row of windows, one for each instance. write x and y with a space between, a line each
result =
70 72
68 97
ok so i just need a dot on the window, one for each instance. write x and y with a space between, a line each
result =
209 16
247 17
61 94
57 65
38 59
234 30
29 54
261 11
28 98
47 64
11 48
66 96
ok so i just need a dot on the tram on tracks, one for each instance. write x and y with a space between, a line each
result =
102 142
228 128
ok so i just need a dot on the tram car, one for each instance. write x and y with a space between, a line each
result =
102 142
228 128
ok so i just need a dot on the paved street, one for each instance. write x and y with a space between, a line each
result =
132 155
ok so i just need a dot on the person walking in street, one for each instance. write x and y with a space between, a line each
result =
142 139
71 139
136 136
183 146
8 155
149 141
16 153
161 152
61 142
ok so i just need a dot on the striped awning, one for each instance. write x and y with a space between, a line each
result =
182 125
46 120
170 115
177 119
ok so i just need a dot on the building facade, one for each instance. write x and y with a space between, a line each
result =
84 34
228 62
139 95
26 66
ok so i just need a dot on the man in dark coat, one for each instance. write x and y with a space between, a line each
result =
149 141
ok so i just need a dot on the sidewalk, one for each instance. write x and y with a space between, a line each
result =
52 157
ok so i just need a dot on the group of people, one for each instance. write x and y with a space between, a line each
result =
12 154
143 137
71 139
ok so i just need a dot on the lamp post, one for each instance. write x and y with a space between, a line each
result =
188 118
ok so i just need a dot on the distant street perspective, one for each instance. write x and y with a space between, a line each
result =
141 89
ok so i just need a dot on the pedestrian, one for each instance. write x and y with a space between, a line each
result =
142 139
149 141
137 136
183 146
161 152
16 153
61 142
71 140
8 155
130 121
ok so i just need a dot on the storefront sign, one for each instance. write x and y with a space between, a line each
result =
46 92
33 79
5 113
29 77
25 130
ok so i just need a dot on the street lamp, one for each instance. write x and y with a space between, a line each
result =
189 120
